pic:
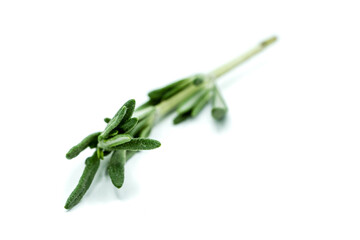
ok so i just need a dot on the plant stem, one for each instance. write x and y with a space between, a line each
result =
239 60
170 104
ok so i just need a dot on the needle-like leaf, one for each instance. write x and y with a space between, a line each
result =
116 167
179 87
182 117
114 122
130 107
128 125
191 102
86 142
201 104
91 166
110 143
137 144
158 94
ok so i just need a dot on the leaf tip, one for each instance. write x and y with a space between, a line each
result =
218 113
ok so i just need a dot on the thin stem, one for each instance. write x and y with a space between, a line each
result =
170 104
239 60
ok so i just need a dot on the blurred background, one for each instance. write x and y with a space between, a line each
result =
283 165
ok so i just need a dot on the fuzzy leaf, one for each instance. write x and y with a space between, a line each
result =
130 107
114 122
92 165
159 93
86 142
108 144
137 144
128 125
116 167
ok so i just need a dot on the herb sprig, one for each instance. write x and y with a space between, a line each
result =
127 132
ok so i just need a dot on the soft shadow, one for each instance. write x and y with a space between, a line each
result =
222 124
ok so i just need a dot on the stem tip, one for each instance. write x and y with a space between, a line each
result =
269 41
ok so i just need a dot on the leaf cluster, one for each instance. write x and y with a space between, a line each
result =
123 136
192 106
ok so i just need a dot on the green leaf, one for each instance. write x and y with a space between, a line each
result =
142 124
86 142
130 107
159 93
145 132
191 102
137 144
116 167
181 117
108 144
114 122
128 125
92 165
198 80
201 104
175 90
107 120
219 108
113 133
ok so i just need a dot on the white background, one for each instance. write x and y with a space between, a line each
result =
284 165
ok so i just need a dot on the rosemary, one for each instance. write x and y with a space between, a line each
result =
127 132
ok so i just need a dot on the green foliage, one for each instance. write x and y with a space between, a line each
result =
116 167
89 141
182 117
130 107
128 125
91 166
110 143
159 93
118 132
137 144
219 108
114 122
201 104
126 133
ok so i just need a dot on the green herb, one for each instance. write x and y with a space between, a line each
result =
86 142
114 122
219 108
116 167
127 132
137 144
128 125
91 166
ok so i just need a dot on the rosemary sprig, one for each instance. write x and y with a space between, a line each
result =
127 132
